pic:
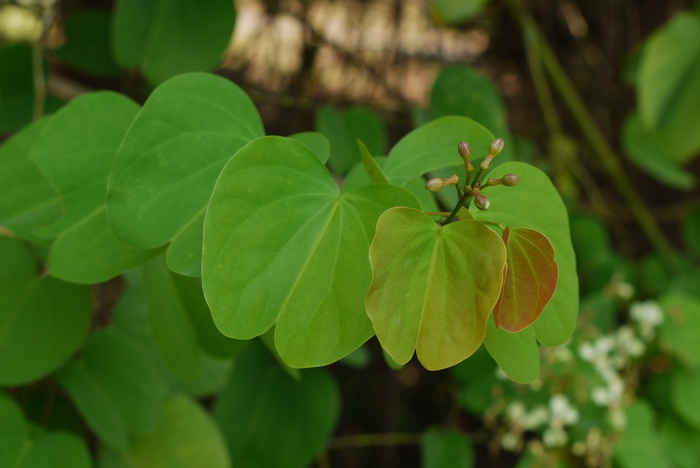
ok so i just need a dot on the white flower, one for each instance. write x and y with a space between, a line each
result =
516 411
554 437
647 313
535 418
625 290
600 396
562 411
511 441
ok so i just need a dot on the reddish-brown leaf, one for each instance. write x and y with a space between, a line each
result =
529 279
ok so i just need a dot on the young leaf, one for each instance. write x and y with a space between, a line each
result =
270 419
116 387
529 279
169 161
434 146
534 203
171 37
283 246
517 354
42 320
433 287
75 151
374 172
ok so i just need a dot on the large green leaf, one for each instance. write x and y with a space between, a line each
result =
685 388
169 37
669 83
447 449
76 150
87 44
678 331
42 320
27 199
534 203
640 442
283 246
529 279
460 90
271 420
434 146
116 386
344 128
317 142
517 354
169 161
21 447
433 287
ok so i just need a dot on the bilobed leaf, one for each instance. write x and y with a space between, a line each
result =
529 279
433 287
517 354
534 203
27 199
42 320
75 150
170 37
21 447
317 142
374 172
169 161
283 246
434 146
448 449
116 387
270 419
669 83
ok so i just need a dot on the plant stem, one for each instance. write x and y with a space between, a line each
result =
38 77
463 199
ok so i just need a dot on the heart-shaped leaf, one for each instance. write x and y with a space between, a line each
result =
283 246
169 161
517 354
433 287
534 203
529 279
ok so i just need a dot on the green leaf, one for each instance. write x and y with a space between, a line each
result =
682 443
451 12
283 246
343 128
87 46
116 387
169 161
271 420
517 354
75 151
654 154
317 142
529 279
16 87
170 37
669 82
181 321
460 90
42 320
21 448
640 443
685 388
27 199
534 203
374 172
433 287
448 449
434 146
185 436
678 331
690 227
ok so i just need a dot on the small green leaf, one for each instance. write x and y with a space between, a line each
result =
640 443
529 279
116 387
22 448
691 230
517 354
434 146
185 436
317 142
448 449
27 199
343 128
433 287
669 82
374 172
75 151
170 37
272 420
534 203
678 331
685 388
42 320
87 46
283 246
169 161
